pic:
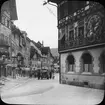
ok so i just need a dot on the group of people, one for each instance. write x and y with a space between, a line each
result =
40 74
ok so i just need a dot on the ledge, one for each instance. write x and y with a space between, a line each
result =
86 73
70 72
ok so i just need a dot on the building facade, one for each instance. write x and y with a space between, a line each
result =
7 14
27 52
36 56
20 52
47 58
81 43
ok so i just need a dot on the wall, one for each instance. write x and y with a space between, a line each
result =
93 77
5 28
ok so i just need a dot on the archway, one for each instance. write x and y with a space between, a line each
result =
70 63
86 62
102 62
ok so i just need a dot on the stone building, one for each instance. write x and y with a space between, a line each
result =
7 14
47 58
20 49
27 64
81 42
36 55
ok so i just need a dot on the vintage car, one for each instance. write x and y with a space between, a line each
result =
44 74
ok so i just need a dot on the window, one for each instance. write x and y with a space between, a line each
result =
87 62
61 11
63 41
102 62
23 42
81 32
72 6
6 39
65 9
1 38
70 63
5 21
71 35
81 35
81 4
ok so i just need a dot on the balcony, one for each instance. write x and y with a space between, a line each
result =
4 43
79 44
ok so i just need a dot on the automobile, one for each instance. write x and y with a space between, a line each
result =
37 73
45 74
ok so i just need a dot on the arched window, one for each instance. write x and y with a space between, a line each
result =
102 62
86 62
70 63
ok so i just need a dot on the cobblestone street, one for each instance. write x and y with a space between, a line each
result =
33 91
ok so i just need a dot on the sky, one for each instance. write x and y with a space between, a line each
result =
40 22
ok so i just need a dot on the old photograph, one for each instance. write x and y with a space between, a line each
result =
52 52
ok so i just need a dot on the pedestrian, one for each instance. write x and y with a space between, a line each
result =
39 74
53 74
50 74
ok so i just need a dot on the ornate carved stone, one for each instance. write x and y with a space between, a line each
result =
94 27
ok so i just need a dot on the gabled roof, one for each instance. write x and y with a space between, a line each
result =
37 45
33 43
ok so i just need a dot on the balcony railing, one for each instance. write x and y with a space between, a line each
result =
78 43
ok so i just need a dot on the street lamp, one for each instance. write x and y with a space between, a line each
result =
49 3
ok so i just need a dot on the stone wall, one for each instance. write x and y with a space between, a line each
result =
92 79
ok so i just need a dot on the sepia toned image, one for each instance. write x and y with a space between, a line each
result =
52 52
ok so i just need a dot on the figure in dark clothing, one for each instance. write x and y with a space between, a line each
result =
38 74
50 74
53 74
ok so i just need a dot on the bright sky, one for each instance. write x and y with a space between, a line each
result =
40 22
